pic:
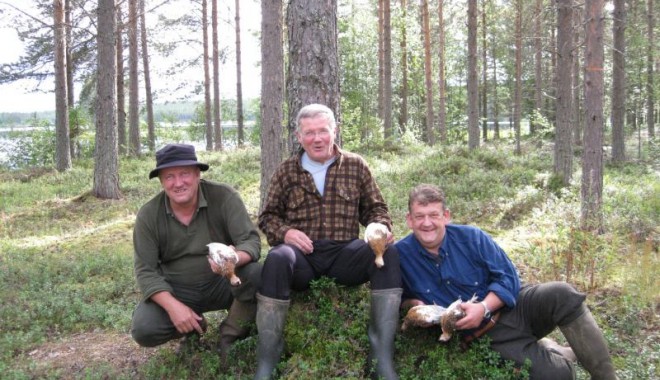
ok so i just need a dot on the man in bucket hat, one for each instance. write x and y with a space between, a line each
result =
170 238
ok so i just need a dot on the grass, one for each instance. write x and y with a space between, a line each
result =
66 267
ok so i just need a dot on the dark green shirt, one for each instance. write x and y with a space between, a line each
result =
167 251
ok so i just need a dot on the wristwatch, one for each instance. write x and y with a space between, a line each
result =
487 312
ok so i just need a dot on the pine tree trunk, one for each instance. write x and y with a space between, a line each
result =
442 89
484 74
650 88
133 93
121 94
151 139
239 84
381 63
578 37
217 121
272 91
62 149
428 80
517 97
313 64
538 66
563 153
592 158
403 94
106 166
208 121
70 89
388 131
472 81
619 81
496 104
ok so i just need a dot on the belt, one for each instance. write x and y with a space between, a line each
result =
467 339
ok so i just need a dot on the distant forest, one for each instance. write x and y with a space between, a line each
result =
165 112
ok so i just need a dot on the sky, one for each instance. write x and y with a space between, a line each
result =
21 96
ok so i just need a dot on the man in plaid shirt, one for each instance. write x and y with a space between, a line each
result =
316 201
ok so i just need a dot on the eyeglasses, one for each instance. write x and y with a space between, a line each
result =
312 135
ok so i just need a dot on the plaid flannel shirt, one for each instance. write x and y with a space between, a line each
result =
351 198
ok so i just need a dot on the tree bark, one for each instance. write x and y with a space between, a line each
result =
313 65
217 121
578 36
563 151
239 84
592 157
472 80
538 66
484 74
428 80
650 88
496 104
272 91
517 97
208 121
121 94
403 94
106 167
133 93
442 88
62 149
381 63
74 131
388 131
619 81
151 139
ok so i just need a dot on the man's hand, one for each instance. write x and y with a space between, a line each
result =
299 240
474 315
185 320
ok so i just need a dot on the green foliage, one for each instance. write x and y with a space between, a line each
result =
33 148
66 264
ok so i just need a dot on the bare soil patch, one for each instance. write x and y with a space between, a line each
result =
75 354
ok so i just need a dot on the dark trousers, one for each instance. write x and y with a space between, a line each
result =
349 263
539 310
151 325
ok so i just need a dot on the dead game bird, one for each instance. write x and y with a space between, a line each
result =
376 236
448 321
225 258
423 316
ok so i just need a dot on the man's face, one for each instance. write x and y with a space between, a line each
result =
428 224
317 138
180 184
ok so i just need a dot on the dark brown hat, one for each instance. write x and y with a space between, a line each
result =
172 155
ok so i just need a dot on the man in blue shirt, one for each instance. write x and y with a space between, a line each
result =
442 262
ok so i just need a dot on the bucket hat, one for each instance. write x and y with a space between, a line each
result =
172 155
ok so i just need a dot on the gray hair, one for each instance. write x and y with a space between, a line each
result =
312 111
425 194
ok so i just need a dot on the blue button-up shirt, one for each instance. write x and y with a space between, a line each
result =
469 263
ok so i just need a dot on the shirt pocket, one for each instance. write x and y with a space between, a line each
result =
467 282
348 200
295 199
